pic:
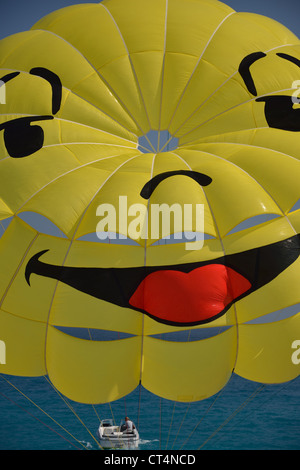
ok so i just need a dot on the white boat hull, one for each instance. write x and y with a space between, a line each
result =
111 437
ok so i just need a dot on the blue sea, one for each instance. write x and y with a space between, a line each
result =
244 415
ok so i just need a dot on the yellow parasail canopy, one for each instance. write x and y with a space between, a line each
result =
119 108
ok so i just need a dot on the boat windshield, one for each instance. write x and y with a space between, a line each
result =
106 422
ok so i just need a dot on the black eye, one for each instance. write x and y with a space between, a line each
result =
21 139
280 113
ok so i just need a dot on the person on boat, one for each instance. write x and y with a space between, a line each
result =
129 425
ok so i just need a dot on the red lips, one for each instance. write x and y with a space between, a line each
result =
197 296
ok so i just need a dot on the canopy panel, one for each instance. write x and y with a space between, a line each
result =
160 141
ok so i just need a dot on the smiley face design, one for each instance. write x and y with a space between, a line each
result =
86 87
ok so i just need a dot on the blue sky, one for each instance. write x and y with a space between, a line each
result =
20 15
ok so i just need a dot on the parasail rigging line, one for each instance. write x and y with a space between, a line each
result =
77 416
184 417
43 411
90 335
2 227
96 413
37 419
160 423
113 417
257 407
242 406
201 419
73 411
171 424
139 402
143 317
125 407
112 414
182 421
93 406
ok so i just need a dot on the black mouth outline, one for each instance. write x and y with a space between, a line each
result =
117 285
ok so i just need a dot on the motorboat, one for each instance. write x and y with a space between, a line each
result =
117 437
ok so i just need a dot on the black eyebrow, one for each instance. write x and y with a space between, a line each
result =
51 78
55 83
289 57
150 186
9 77
244 70
23 120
